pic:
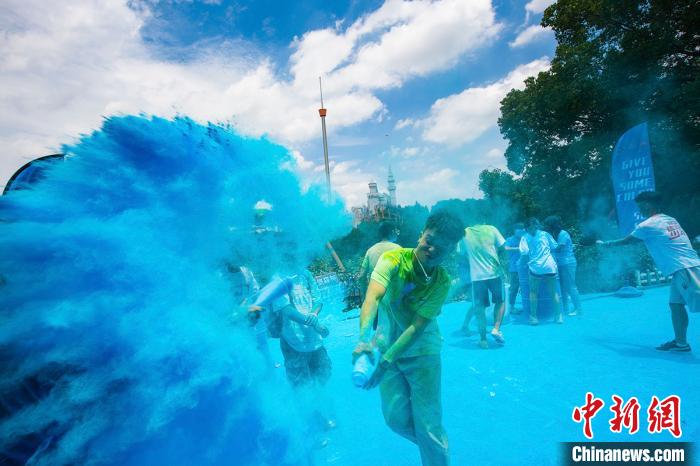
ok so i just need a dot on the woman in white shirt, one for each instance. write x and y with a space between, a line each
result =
537 245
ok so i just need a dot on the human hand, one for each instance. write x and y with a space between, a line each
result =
377 375
363 348
322 330
254 313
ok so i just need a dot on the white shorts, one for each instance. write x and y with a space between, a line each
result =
685 288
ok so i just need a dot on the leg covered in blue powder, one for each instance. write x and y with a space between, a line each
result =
411 404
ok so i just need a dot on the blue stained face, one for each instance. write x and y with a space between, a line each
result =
432 248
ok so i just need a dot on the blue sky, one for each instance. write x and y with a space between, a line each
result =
414 85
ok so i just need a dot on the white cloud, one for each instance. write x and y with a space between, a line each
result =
537 6
348 178
302 163
530 35
441 176
461 118
495 153
444 183
60 74
418 38
405 123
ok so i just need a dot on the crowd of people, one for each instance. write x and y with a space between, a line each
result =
405 289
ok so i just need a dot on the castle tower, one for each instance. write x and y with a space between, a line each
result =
392 188
372 197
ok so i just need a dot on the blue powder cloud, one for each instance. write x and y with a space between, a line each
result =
115 308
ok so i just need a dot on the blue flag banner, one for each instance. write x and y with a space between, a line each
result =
632 173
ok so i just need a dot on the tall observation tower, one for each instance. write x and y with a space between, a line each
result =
392 188
322 113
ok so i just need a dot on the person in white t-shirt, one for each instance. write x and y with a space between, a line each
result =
538 245
484 244
674 255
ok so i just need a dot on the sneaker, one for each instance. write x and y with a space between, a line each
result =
483 344
573 313
673 346
533 321
560 319
498 337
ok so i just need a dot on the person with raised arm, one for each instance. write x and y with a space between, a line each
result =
673 254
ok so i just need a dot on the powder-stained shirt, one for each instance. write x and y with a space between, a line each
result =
407 295
462 255
564 253
243 284
513 256
538 248
668 244
374 253
482 243
243 287
304 297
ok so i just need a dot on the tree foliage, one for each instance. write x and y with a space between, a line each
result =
617 63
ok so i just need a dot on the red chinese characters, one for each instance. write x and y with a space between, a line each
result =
626 415
587 412
661 414
665 415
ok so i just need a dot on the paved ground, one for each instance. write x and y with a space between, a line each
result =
513 405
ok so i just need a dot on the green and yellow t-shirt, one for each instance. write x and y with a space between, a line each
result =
407 294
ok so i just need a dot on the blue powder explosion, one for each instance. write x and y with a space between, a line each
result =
119 339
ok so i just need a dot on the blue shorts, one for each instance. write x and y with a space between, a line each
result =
480 291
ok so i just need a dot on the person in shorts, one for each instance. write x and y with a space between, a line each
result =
673 254
484 244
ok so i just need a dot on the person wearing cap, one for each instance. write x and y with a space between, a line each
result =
669 246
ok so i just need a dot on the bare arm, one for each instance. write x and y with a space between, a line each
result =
629 239
364 268
370 306
309 320
406 339
402 343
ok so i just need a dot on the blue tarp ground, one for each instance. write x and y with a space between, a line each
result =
513 405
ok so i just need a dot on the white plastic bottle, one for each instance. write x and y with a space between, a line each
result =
362 370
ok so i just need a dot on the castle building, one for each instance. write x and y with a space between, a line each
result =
380 206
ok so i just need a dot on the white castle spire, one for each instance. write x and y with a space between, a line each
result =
392 188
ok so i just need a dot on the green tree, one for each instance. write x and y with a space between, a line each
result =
617 63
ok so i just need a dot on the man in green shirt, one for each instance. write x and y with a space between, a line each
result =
407 289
